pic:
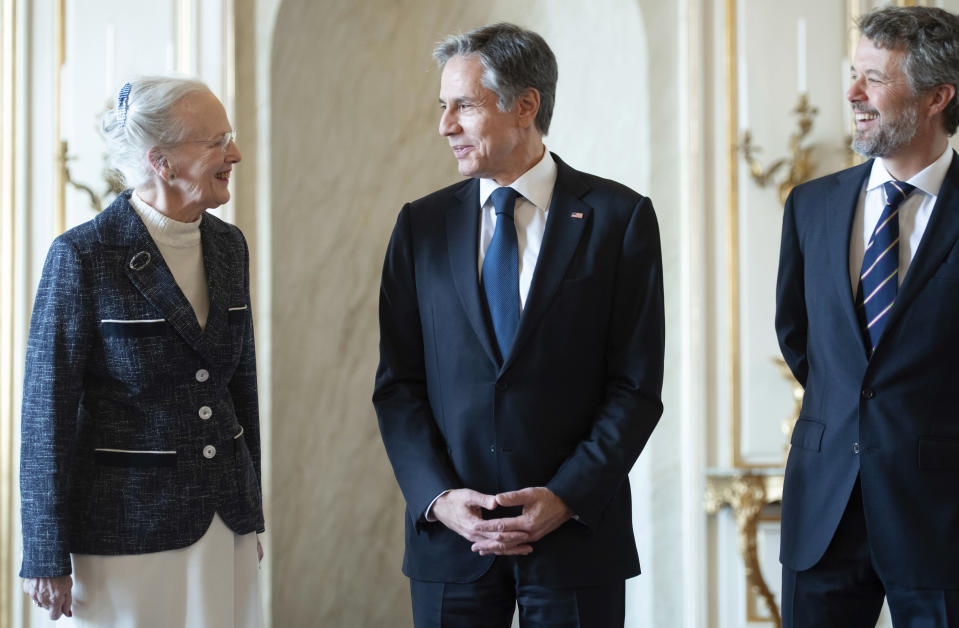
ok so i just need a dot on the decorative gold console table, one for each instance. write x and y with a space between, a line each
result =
746 492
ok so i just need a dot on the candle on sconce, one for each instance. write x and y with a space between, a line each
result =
67 102
110 55
743 92
801 55
846 107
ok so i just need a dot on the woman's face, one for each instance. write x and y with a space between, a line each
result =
201 163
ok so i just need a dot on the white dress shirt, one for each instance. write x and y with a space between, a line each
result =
914 213
536 189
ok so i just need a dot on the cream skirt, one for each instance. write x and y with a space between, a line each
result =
213 583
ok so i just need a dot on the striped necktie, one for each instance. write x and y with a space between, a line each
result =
879 279
501 271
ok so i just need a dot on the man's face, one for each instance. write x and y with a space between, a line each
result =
887 112
485 141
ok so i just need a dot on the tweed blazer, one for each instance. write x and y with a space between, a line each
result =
137 425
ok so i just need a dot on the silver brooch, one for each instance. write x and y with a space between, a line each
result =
140 260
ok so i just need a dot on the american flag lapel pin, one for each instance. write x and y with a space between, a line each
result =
576 215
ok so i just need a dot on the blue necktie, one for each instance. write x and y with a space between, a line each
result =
501 271
879 279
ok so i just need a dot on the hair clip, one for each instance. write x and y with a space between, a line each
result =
123 105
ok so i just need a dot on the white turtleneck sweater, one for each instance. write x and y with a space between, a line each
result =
179 244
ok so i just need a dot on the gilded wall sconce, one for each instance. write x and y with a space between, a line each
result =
114 184
798 164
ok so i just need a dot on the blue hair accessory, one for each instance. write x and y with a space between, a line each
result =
123 105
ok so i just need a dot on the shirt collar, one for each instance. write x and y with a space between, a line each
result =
536 184
929 179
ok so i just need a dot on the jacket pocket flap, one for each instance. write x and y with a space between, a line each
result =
134 458
238 314
114 328
807 434
936 453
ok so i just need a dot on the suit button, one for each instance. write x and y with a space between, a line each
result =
502 385
492 449
205 412
855 448
209 451
202 375
868 393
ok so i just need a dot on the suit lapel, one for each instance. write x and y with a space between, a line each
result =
841 211
565 222
939 237
462 237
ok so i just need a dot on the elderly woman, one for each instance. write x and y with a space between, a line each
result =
141 452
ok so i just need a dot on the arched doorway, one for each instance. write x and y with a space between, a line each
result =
353 137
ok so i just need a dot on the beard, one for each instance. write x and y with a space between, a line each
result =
891 133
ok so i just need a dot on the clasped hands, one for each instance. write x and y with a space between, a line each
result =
461 510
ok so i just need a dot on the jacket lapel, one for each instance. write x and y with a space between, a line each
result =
147 271
939 237
462 237
567 218
220 265
841 211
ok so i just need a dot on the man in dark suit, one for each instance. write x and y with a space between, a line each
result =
867 310
521 358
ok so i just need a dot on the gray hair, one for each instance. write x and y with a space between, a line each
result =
930 39
513 59
149 121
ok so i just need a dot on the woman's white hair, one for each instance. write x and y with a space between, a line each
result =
142 120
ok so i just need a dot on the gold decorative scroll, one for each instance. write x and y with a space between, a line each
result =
798 163
746 494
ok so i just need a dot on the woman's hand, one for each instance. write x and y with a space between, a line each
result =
52 594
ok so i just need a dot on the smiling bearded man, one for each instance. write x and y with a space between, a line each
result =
866 311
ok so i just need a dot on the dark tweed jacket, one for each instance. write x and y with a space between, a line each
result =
137 425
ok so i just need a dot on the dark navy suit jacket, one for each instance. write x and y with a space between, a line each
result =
892 419
572 405
137 425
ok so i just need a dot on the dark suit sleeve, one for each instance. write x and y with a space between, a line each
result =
242 385
589 478
791 321
57 349
413 443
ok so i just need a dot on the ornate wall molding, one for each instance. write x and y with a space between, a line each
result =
8 64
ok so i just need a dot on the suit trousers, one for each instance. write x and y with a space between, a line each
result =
844 590
490 601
